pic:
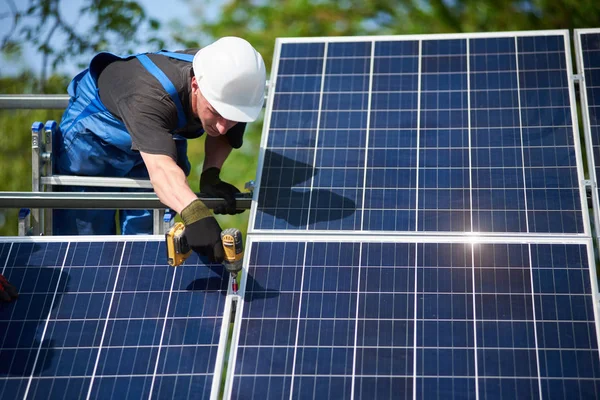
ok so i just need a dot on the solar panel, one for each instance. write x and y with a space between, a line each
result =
415 319
380 155
108 320
449 133
587 46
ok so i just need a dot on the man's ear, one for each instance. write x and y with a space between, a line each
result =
194 84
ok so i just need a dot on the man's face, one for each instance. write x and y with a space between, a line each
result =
212 122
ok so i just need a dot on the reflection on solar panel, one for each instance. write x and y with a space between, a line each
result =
588 49
446 134
108 320
442 320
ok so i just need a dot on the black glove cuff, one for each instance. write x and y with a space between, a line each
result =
210 176
195 211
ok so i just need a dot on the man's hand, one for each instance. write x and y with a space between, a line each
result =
202 231
8 292
212 185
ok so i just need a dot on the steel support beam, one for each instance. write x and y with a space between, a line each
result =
100 200
33 101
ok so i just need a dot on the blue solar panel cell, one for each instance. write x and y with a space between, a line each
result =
306 66
108 319
302 50
182 387
418 110
452 320
349 82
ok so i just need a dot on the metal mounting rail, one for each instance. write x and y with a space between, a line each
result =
34 101
101 200
97 181
37 101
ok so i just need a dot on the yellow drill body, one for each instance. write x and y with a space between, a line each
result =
178 250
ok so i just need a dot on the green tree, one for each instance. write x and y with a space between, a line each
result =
109 25
15 140
261 22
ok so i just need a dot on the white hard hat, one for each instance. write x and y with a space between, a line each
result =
231 76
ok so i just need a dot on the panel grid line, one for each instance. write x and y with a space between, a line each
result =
319 112
521 133
112 296
414 366
278 304
557 307
558 295
469 134
412 347
298 323
535 326
7 257
429 148
358 110
491 90
162 334
419 72
368 127
46 325
474 299
142 346
354 359
390 376
432 73
331 357
450 128
297 375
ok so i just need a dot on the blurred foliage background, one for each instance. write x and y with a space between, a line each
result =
123 26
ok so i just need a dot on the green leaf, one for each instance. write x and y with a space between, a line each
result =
154 24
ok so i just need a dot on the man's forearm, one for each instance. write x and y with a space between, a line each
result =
169 181
217 149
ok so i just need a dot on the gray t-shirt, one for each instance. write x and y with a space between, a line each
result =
137 98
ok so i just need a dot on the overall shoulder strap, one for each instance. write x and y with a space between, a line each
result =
177 56
167 85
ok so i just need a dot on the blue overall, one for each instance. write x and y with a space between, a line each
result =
93 142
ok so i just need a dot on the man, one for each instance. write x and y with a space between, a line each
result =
129 117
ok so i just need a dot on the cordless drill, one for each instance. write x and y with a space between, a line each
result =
178 250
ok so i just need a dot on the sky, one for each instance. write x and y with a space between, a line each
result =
163 10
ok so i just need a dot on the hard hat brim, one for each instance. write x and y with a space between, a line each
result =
228 111
235 113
